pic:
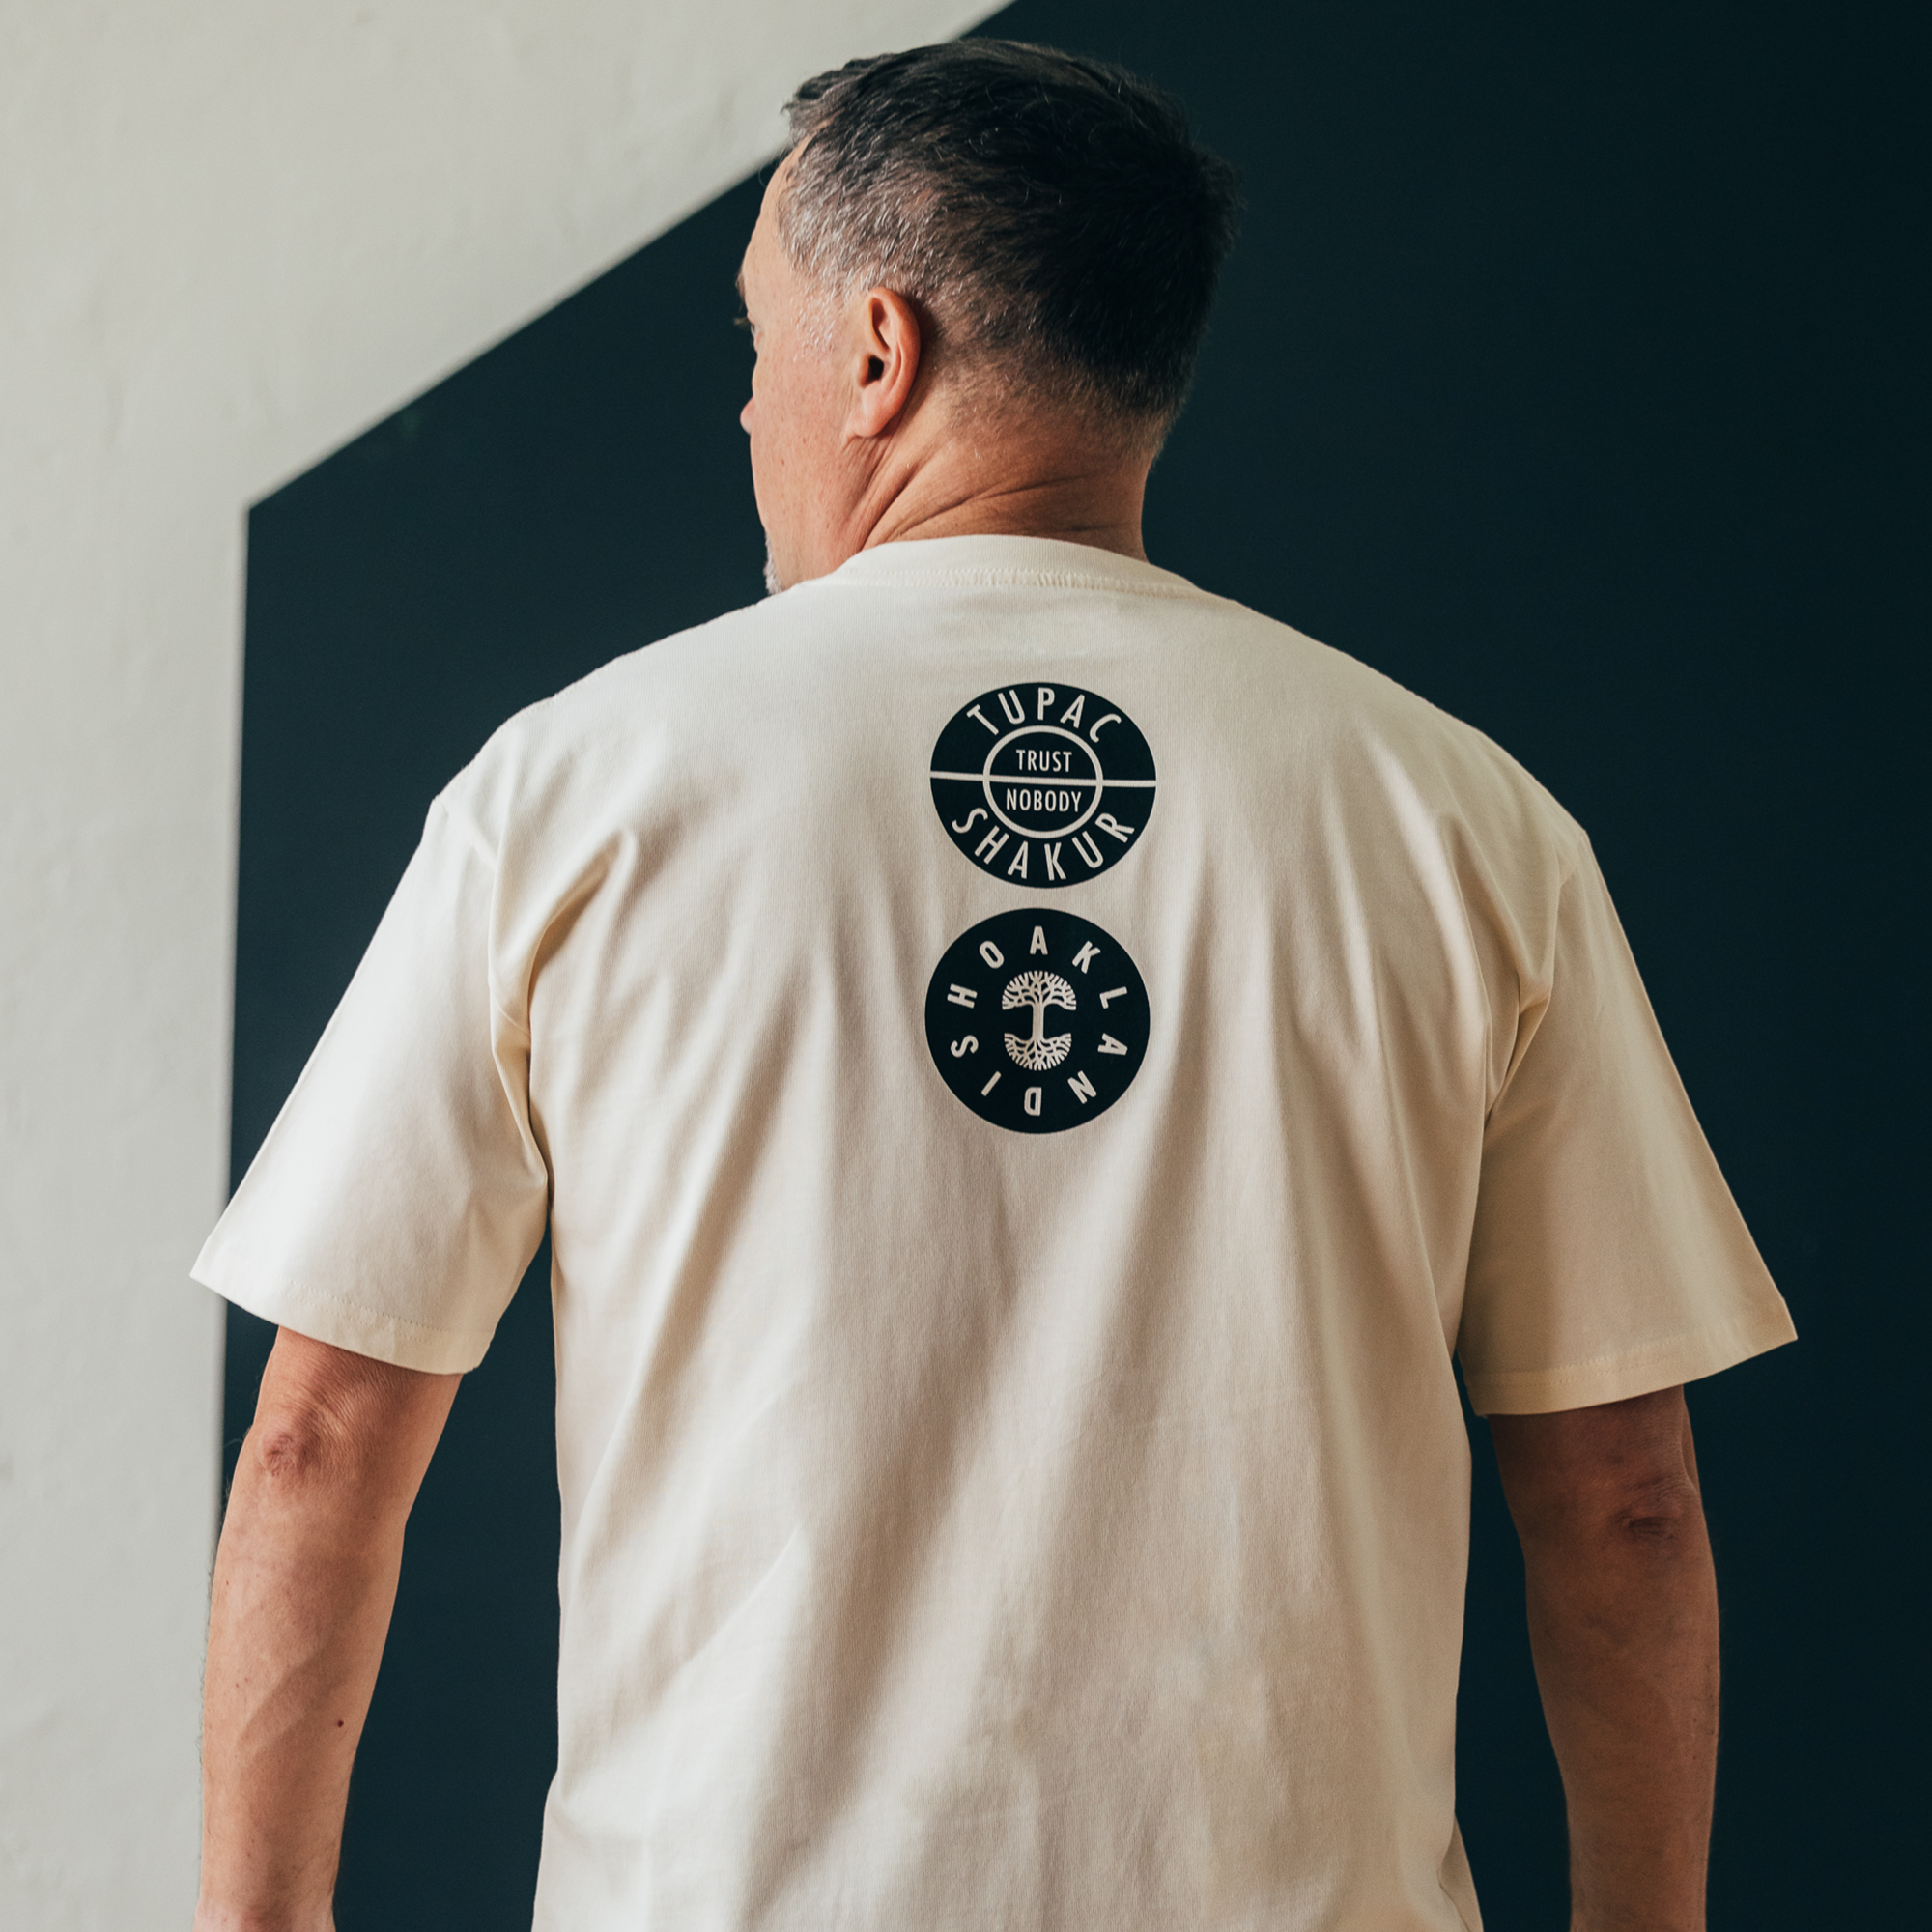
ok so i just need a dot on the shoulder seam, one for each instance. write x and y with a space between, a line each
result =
469 832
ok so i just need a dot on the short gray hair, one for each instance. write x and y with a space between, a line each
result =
1052 216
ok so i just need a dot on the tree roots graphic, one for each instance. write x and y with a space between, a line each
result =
1040 1052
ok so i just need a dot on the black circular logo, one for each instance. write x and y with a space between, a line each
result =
1046 784
1037 1019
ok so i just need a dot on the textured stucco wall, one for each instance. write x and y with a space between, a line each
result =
231 236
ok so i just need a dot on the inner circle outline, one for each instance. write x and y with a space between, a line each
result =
1098 782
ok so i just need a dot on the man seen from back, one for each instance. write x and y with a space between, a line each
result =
1034 1075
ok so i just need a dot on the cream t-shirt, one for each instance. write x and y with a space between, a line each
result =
1032 1070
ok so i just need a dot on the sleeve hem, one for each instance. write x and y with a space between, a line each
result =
342 1325
1681 1358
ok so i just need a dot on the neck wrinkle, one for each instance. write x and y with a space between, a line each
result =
1101 509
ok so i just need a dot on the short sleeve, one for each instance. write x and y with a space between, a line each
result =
401 1194
1607 1258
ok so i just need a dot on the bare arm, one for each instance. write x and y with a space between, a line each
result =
1623 1621
304 1581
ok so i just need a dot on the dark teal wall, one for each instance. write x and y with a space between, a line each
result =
1570 370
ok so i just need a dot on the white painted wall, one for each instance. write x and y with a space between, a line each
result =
231 235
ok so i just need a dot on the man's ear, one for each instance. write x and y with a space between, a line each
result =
887 363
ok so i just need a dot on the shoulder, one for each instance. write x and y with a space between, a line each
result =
686 670
649 710
1368 736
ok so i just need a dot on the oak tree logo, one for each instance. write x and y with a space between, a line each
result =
1037 1019
1039 990
1044 784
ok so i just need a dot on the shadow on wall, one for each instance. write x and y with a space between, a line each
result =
1551 377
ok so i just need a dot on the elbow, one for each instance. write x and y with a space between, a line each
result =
1619 1507
1645 1522
1619 1476
1658 1514
292 1452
